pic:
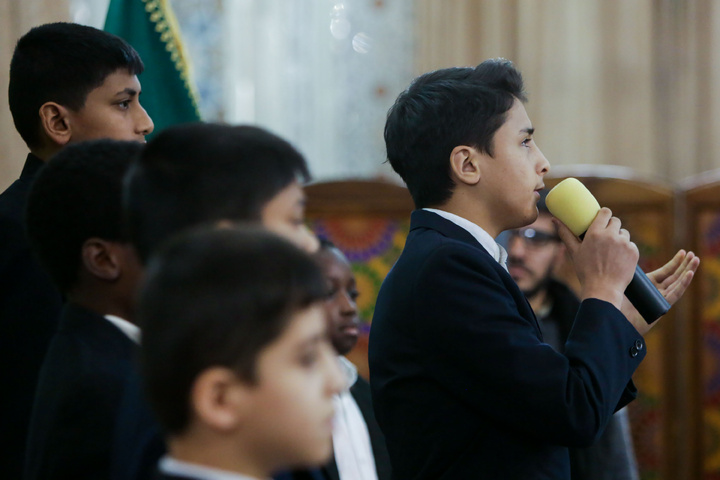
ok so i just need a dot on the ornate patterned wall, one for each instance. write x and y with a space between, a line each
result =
709 283
646 210
648 414
372 244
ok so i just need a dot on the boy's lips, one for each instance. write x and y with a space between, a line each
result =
351 327
350 330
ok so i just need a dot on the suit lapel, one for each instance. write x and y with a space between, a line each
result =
422 219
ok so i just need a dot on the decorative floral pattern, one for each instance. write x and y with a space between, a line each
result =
709 277
372 245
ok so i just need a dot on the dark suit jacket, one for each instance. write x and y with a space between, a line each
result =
361 393
462 384
78 394
29 310
611 457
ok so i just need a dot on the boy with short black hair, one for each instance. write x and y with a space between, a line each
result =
236 358
74 225
68 83
204 173
463 384
195 174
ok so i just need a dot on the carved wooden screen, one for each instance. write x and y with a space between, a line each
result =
368 221
700 200
646 210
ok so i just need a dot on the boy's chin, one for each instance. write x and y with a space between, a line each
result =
316 458
346 343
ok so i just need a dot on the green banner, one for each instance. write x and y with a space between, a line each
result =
151 28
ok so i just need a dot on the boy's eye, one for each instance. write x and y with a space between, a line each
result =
353 294
526 142
310 358
125 104
295 221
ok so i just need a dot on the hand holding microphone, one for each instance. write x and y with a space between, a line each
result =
609 259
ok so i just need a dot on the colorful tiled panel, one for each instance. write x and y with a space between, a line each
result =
647 414
709 246
372 244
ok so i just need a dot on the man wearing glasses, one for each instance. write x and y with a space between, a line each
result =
534 253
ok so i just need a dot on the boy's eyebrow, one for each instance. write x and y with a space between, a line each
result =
527 131
127 91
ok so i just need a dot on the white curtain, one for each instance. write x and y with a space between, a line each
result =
629 83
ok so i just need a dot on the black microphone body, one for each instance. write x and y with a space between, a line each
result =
648 301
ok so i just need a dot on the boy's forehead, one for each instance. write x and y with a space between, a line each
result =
304 329
119 82
289 198
519 114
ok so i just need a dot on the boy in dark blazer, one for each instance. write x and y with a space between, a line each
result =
74 224
462 383
190 175
68 83
238 365
359 449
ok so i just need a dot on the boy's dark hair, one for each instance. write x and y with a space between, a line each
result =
203 173
77 195
441 110
62 62
217 297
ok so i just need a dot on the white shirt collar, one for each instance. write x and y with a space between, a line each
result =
349 370
351 440
173 466
493 248
130 330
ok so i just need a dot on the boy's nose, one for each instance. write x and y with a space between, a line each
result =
146 125
349 307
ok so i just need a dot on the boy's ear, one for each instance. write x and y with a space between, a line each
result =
465 165
219 399
55 122
102 259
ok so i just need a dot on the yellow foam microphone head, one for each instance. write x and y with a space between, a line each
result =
573 204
